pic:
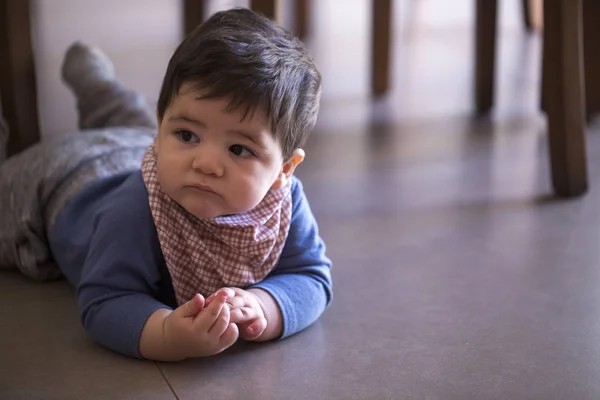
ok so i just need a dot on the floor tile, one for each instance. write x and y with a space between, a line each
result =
45 353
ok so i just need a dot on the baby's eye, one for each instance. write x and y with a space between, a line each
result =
187 136
241 151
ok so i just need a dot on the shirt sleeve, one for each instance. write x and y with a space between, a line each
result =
106 244
301 283
118 286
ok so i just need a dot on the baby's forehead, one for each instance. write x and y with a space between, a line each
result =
247 108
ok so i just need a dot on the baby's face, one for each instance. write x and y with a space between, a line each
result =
212 162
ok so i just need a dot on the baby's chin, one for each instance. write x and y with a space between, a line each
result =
214 210
207 214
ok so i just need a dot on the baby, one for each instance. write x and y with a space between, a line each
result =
212 239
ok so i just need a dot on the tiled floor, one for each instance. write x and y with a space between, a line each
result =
457 275
45 354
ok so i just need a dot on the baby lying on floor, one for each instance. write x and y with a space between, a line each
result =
180 242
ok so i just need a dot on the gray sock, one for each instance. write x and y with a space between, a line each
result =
102 100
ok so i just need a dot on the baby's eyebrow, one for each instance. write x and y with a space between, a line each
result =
178 118
249 136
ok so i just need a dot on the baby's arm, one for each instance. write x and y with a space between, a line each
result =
272 314
109 248
299 289
119 309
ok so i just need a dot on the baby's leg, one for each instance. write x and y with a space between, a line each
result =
36 184
102 100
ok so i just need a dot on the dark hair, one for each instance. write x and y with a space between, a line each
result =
248 58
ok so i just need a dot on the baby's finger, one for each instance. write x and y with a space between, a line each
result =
236 302
191 308
230 336
210 298
243 314
255 329
221 324
209 315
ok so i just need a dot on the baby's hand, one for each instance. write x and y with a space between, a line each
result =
246 312
194 331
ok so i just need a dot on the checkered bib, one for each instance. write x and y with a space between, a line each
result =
203 255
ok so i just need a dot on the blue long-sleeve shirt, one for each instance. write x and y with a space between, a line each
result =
106 244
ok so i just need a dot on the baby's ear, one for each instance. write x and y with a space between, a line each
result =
287 169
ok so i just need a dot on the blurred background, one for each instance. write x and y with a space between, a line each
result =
431 57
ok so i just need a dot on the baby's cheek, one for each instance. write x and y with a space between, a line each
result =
247 198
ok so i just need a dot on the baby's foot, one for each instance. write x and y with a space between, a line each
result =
86 69
102 100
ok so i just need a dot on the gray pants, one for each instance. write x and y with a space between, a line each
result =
36 184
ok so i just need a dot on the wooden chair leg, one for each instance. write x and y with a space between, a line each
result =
380 46
485 54
563 50
591 62
193 14
17 76
266 7
591 35
544 78
302 12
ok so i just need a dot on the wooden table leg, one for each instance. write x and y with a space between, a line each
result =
266 7
565 102
17 76
193 14
380 46
485 54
